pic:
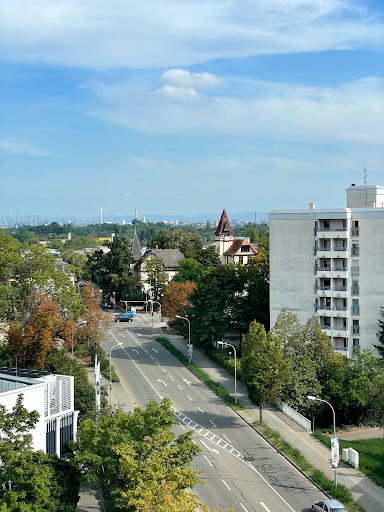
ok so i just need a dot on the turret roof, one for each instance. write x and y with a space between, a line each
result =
224 227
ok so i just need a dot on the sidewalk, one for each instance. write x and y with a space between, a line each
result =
366 493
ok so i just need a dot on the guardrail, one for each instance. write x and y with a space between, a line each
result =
296 416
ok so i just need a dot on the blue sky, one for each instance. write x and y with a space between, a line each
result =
177 107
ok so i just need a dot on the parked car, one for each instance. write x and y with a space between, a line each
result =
328 506
127 316
107 305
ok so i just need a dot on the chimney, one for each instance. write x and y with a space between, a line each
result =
311 206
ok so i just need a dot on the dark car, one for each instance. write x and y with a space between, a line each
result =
107 305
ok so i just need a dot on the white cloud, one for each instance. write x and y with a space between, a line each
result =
22 147
353 112
154 33
178 93
184 78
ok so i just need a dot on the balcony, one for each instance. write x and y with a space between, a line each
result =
331 233
339 289
339 249
339 269
339 332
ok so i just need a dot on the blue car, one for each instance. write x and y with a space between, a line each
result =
127 316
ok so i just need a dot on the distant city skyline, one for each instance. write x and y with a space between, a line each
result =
188 107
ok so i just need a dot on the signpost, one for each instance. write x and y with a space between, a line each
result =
335 453
189 351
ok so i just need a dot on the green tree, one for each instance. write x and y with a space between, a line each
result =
188 243
138 460
380 334
213 304
189 270
376 401
263 367
157 277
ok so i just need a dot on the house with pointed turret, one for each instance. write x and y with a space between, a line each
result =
231 249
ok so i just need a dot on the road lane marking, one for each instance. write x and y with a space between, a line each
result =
201 410
269 485
155 350
190 398
212 423
134 350
180 387
171 378
164 370
158 380
209 448
141 371
244 507
265 506
209 462
157 363
187 381
229 441
145 350
182 426
151 357
122 334
225 483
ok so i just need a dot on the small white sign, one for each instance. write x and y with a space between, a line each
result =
335 452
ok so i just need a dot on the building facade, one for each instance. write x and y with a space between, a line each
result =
331 263
52 396
232 250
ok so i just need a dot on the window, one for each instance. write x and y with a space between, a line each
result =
327 322
327 224
245 248
241 259
356 342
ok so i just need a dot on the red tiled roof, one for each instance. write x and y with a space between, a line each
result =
224 227
235 248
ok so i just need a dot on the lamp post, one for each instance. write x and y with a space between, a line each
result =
110 371
189 330
80 322
234 349
310 397
114 301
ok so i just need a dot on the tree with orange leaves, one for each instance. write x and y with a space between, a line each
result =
175 298
32 343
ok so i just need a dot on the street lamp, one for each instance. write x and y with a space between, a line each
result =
310 397
110 371
114 301
80 322
234 349
189 329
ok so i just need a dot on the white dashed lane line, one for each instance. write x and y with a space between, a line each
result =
209 462
213 423
265 506
201 410
225 483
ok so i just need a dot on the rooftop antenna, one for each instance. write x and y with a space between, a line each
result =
365 184
101 214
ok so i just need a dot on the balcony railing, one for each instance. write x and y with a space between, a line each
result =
355 290
339 269
322 269
355 251
355 271
322 230
340 248
355 231
339 308
323 288
327 308
339 328
356 329
339 288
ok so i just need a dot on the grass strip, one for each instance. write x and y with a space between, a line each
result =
371 455
341 493
220 391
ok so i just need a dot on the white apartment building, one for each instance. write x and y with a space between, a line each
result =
331 263
52 396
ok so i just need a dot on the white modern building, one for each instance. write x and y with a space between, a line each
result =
331 263
52 396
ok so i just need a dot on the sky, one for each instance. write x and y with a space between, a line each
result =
176 107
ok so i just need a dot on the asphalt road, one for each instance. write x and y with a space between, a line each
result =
240 468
